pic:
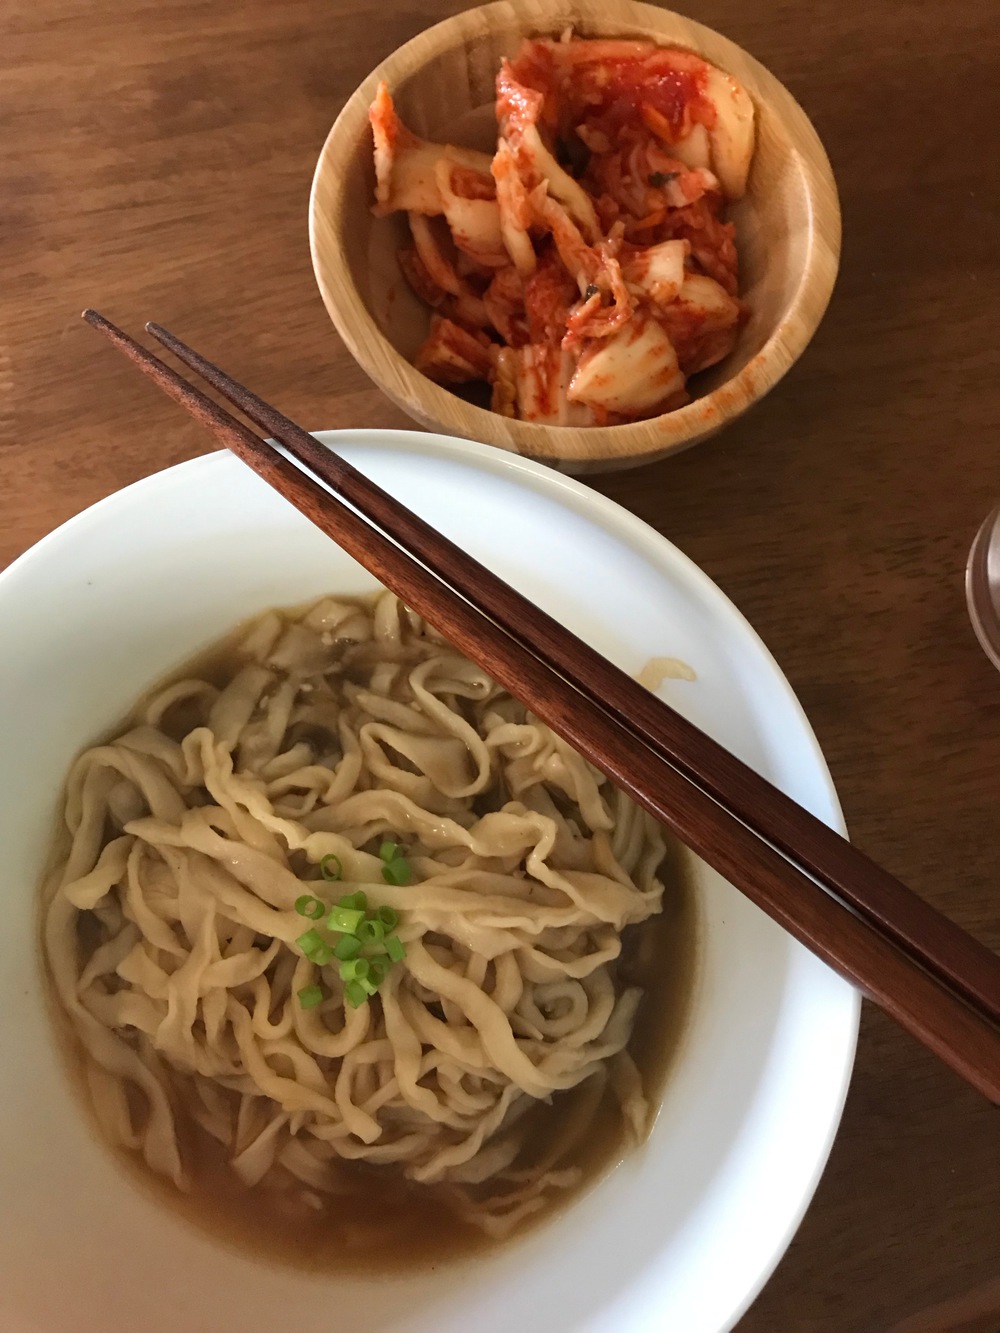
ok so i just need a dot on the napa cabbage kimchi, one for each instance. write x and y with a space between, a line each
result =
585 270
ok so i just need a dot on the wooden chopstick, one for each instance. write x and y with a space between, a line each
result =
963 1036
935 941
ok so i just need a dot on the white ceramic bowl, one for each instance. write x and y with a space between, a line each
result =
682 1234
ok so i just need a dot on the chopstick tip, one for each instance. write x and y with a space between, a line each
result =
100 322
118 337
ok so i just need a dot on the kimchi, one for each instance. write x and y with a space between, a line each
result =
586 270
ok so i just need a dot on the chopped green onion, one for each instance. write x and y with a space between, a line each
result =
331 868
348 946
310 941
315 947
309 907
395 867
356 900
355 969
397 871
371 932
357 928
346 919
377 971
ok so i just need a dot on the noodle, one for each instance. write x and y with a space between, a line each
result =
170 924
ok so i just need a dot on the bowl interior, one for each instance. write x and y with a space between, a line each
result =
683 1233
443 83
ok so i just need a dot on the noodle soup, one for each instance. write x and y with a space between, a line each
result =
359 963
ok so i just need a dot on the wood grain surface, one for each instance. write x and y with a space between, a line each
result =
155 161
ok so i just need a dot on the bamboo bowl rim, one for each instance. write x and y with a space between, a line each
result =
632 443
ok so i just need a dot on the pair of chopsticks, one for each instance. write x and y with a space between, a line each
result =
933 978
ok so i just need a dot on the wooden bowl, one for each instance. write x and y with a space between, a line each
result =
787 225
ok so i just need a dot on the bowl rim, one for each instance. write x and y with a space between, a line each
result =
634 442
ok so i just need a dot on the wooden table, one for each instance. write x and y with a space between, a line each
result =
156 161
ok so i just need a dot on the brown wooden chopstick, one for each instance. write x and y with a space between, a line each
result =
964 1036
909 921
